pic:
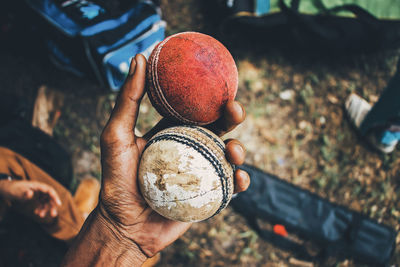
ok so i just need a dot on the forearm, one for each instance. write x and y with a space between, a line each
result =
97 244
4 185
4 199
5 194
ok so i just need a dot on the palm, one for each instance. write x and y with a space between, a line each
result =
124 203
121 202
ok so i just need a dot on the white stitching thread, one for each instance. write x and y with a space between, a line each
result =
157 86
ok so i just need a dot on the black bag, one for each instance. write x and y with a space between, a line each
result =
315 24
312 222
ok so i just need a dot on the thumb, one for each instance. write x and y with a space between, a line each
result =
126 109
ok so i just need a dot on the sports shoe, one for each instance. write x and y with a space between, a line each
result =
47 109
357 109
387 147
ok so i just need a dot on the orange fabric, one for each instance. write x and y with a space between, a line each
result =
69 220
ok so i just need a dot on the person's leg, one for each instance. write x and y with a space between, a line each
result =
383 138
387 109
379 123
69 220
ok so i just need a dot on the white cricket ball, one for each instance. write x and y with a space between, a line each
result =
184 175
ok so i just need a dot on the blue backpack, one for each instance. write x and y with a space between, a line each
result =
98 38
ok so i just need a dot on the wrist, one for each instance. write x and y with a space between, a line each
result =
129 250
100 243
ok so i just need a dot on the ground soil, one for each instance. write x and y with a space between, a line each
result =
296 129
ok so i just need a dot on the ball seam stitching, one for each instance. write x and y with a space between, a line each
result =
221 171
168 108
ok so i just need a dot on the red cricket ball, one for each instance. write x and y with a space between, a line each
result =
190 77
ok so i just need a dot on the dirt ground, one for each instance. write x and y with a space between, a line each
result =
295 128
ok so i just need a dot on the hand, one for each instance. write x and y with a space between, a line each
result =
122 211
35 199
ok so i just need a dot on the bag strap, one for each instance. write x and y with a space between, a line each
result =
296 18
362 14
372 23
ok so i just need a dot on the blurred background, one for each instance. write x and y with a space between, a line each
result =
293 85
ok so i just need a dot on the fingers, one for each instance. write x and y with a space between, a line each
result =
119 153
46 209
235 152
233 115
48 190
242 181
28 194
132 67
124 115
53 212
47 200
40 212
51 209
54 197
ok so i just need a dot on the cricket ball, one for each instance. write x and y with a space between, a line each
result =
184 175
190 77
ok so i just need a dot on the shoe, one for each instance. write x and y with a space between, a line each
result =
375 140
357 109
47 109
87 195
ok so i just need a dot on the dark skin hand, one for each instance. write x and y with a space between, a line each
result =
130 230
34 199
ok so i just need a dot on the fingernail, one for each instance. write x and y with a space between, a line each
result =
236 111
133 66
242 111
239 147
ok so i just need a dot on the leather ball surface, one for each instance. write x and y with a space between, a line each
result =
184 175
190 77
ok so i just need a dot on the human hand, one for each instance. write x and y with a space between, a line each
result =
122 212
35 199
